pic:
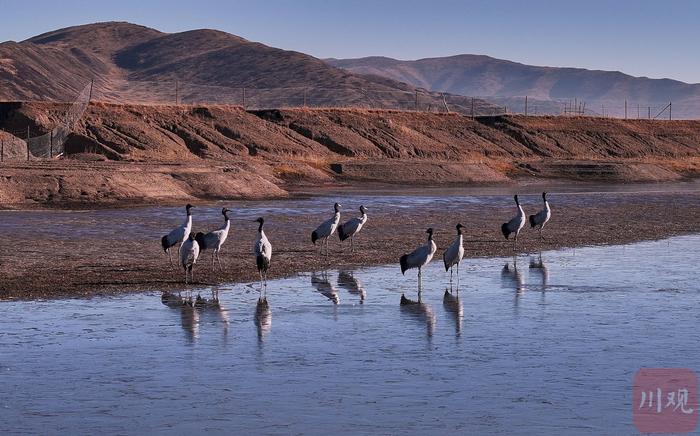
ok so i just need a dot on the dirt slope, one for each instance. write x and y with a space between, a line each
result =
132 153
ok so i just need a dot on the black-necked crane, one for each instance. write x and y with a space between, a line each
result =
215 239
419 257
541 218
454 254
178 235
352 227
515 224
263 253
326 229
189 252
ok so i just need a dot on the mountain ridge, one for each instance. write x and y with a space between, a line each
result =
489 77
131 63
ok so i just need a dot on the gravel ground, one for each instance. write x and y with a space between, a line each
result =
54 253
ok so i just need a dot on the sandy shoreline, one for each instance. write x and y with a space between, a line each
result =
50 254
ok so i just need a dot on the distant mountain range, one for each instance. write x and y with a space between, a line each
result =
502 81
136 64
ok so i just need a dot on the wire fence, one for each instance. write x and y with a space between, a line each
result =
22 146
260 98
47 145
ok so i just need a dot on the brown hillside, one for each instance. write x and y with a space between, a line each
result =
225 151
136 64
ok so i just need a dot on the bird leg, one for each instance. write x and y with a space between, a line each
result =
218 259
213 254
420 280
352 245
515 242
457 277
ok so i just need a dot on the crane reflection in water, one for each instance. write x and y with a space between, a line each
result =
348 281
197 312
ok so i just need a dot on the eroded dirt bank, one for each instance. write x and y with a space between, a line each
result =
123 154
53 253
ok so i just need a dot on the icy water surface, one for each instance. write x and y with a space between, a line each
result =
546 346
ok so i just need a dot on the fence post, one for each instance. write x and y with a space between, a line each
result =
243 98
27 143
444 101
649 112
416 103
472 108
625 108
177 92
669 111
526 105
304 97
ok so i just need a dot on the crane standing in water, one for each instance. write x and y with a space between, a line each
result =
541 218
178 235
189 252
419 258
454 254
326 229
515 224
263 253
352 227
215 239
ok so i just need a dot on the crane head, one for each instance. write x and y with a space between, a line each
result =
337 206
544 196
363 209
188 206
260 220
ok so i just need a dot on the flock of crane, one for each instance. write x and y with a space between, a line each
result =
191 244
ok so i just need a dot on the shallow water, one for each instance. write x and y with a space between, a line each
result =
149 221
549 345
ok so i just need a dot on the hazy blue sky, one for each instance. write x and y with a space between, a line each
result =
643 38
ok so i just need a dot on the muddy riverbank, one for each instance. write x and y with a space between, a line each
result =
55 253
